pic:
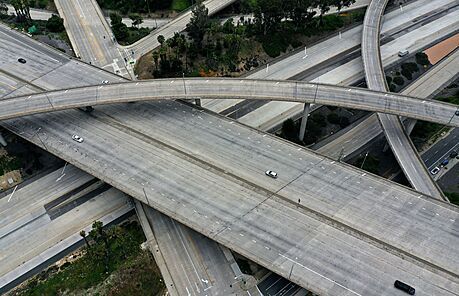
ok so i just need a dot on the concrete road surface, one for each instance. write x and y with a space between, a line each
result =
176 88
265 221
43 219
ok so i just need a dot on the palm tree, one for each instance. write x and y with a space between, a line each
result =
83 235
156 59
161 40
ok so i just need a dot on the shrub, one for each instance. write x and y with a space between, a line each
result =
392 87
407 74
411 67
333 118
55 24
422 59
274 44
398 80
319 119
388 79
289 130
343 122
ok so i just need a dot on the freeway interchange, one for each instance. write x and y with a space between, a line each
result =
224 194
196 88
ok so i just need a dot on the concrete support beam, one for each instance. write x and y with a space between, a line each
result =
304 120
2 140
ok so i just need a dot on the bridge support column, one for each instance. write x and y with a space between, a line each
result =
409 125
304 120
2 140
197 102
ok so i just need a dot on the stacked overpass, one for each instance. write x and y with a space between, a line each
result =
268 90
208 173
399 141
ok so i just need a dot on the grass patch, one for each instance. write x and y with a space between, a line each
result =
113 251
179 5
134 35
425 130
452 100
8 164
453 197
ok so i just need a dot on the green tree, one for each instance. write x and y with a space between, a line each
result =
161 40
155 55
100 236
199 22
136 19
3 8
55 24
120 30
83 235
22 8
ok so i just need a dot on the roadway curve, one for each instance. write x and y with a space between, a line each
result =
399 141
177 88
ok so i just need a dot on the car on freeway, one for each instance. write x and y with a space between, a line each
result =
435 170
105 82
404 287
22 61
271 174
457 112
444 162
403 53
453 154
77 138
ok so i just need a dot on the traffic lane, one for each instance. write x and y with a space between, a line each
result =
191 275
225 151
27 202
441 150
351 72
258 89
213 213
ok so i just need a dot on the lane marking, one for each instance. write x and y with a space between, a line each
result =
315 272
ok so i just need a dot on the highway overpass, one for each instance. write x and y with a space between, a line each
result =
370 225
399 141
190 88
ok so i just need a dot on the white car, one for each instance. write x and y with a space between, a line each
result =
77 138
403 53
435 170
271 174
105 82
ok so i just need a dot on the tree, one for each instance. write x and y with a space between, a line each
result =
120 30
136 19
155 55
83 235
3 8
99 235
55 24
22 8
199 22
161 40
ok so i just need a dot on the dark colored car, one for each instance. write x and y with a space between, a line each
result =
444 162
404 287
453 154
457 112
22 61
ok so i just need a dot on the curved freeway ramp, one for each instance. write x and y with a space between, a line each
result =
177 88
399 141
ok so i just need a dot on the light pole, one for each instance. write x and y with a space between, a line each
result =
363 162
